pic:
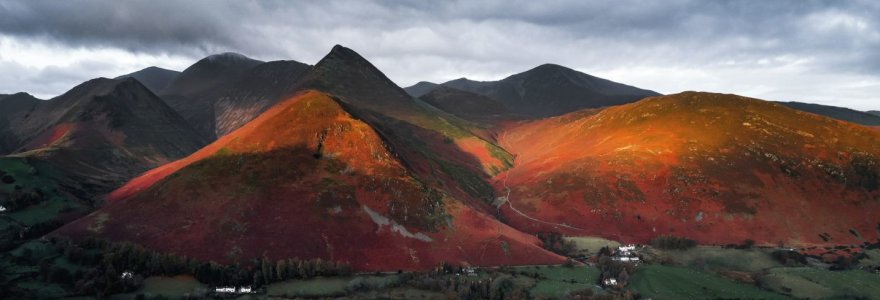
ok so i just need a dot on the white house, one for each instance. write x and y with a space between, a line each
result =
127 275
610 281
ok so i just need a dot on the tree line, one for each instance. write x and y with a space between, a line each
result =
100 265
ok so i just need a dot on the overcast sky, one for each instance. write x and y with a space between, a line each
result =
813 51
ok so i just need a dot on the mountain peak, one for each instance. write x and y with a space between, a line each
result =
341 53
420 88
228 56
154 78
345 73
551 66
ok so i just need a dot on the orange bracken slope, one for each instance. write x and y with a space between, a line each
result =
717 168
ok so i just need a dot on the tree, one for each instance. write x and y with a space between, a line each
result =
281 270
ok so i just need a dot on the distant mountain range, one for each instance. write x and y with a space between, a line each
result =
234 159
546 90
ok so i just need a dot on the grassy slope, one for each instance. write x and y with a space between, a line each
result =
814 283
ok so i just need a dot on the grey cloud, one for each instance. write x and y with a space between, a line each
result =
439 40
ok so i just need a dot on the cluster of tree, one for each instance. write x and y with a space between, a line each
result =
103 265
295 268
789 258
610 268
555 242
499 284
496 286
20 198
746 244
671 242
16 233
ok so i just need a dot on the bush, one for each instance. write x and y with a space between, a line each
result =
789 258
555 242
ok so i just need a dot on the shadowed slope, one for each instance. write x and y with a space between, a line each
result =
193 93
154 78
14 110
305 179
256 91
421 88
78 146
717 168
105 131
467 105
840 113
222 92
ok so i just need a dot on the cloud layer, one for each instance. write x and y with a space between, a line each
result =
815 51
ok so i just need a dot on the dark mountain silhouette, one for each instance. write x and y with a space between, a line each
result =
420 88
154 78
465 105
874 112
71 150
14 110
549 90
840 113
103 131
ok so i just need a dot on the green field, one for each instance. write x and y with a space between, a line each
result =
560 280
717 258
32 182
807 282
329 286
667 282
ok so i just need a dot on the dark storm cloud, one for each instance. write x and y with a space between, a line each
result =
437 40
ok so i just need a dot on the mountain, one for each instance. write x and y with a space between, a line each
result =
105 130
550 90
308 179
874 112
716 168
256 91
445 151
14 109
465 105
222 92
154 78
74 148
420 88
193 93
840 113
